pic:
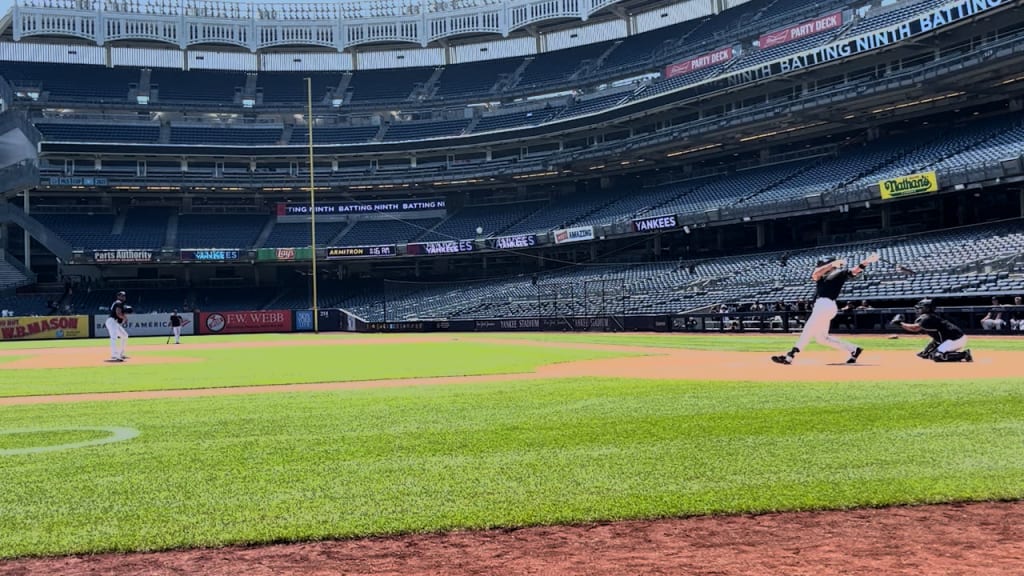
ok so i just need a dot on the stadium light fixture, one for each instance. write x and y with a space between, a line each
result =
917 102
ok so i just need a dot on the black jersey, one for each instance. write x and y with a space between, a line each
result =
938 327
831 284
175 320
116 307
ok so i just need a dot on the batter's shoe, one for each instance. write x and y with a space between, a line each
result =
782 359
115 359
853 357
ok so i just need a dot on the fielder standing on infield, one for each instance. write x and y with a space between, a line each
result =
115 327
176 326
829 278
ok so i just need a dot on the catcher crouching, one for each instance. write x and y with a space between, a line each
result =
949 344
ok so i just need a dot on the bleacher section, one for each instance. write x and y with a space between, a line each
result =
417 130
219 231
292 234
671 287
73 82
83 231
333 135
373 232
387 85
493 219
290 87
243 136
208 87
474 78
79 132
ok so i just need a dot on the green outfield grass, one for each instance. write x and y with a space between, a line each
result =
754 342
279 467
215 470
289 364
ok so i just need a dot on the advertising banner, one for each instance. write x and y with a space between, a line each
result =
655 223
719 56
574 234
146 324
909 185
340 252
284 254
512 242
330 320
801 30
122 256
246 322
210 255
928 22
443 247
331 208
43 328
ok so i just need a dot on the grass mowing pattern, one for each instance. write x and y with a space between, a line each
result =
36 438
228 367
259 468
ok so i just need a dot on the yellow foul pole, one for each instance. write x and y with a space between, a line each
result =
312 200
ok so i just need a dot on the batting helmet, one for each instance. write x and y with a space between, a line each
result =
925 305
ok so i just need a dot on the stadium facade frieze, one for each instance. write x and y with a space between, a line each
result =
933 21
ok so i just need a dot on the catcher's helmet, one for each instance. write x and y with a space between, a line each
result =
925 305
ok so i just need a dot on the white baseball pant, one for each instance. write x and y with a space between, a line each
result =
177 334
818 325
116 332
952 345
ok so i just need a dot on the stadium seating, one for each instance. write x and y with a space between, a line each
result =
671 287
373 232
73 82
474 78
290 87
82 231
494 219
387 85
208 87
417 130
291 235
333 135
242 136
219 231
81 132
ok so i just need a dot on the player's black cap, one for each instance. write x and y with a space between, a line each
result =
925 305
120 293
826 260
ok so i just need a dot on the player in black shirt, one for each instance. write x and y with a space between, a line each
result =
949 344
176 326
829 277
115 326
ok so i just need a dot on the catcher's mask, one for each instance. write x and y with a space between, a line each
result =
925 305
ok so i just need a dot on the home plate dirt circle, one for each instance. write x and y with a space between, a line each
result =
984 538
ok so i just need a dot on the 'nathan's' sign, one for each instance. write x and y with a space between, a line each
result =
909 185
656 223
122 256
698 62
801 30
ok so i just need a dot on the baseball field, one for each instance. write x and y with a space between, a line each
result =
508 454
